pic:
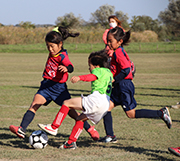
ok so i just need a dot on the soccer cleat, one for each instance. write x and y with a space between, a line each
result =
175 151
17 130
68 146
48 129
166 117
93 133
177 106
108 139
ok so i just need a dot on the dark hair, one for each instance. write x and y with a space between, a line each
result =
119 34
116 19
57 37
99 58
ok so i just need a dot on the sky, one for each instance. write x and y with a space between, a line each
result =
13 12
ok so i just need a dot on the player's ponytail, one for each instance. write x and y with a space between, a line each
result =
59 34
65 32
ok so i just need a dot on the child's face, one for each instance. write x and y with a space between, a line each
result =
113 43
53 48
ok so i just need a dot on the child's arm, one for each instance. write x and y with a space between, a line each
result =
65 69
66 65
87 78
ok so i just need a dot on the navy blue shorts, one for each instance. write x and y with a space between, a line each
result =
123 94
53 91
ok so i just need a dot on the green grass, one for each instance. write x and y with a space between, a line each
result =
157 85
159 47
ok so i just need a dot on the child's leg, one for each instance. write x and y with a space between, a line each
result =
108 126
76 131
145 113
73 103
90 129
28 116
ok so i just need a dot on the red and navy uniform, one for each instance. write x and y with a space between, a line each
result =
53 87
121 65
51 69
123 91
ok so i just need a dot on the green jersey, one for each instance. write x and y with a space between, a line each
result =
104 82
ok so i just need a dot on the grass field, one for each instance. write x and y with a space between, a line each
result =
133 47
157 83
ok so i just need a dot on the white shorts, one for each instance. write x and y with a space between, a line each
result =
96 106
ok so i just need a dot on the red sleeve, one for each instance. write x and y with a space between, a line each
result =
88 77
65 59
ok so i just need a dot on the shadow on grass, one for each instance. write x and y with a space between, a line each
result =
166 89
58 140
70 90
34 87
154 154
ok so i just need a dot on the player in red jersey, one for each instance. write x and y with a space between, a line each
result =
123 91
53 87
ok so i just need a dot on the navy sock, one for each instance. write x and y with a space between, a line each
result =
86 125
28 117
144 113
108 124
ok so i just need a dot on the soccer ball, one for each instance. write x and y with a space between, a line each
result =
38 139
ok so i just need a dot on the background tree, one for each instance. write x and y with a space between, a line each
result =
101 15
26 25
123 18
149 23
69 20
171 18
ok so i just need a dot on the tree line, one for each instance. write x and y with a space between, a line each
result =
167 26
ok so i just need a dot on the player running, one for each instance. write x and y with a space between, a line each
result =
53 87
123 91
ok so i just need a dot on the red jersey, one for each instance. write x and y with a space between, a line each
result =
51 69
120 60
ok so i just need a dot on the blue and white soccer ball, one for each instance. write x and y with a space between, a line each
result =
38 139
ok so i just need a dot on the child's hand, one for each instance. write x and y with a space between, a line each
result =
74 79
62 68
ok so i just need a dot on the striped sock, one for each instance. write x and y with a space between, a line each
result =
76 131
60 116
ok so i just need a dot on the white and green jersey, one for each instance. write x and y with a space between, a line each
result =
104 82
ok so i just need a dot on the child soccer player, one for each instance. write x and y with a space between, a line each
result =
94 106
123 91
53 87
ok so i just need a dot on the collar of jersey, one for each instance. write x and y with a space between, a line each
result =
118 48
58 53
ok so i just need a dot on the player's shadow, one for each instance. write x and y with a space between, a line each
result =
139 150
34 87
165 89
60 138
158 89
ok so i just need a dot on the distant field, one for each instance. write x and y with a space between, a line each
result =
157 83
158 47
